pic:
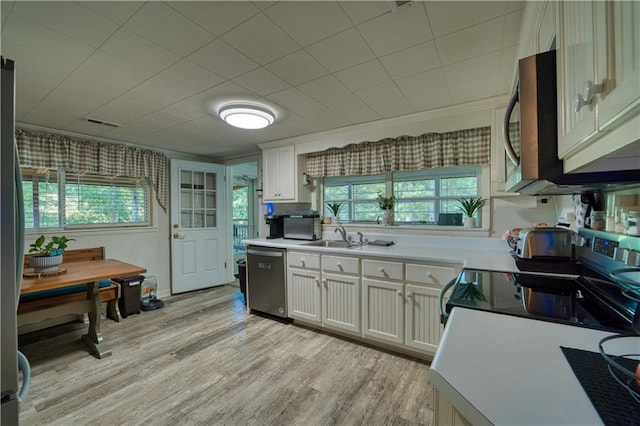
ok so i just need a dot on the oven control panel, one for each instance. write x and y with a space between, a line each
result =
604 246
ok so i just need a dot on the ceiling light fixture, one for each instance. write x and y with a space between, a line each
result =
246 116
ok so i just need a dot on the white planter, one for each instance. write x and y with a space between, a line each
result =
45 264
335 220
469 222
387 218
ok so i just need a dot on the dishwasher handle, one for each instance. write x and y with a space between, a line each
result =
279 253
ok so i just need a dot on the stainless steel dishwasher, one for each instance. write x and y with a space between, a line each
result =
266 280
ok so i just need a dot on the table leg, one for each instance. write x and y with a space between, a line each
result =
94 338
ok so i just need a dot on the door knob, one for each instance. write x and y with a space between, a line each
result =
178 236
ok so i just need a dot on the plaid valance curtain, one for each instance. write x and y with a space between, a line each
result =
51 150
430 150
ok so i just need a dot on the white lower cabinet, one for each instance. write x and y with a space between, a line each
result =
390 302
383 310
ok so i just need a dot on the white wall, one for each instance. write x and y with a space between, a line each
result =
146 247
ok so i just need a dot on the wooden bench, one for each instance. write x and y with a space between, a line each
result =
50 306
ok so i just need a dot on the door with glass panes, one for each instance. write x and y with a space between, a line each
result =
198 237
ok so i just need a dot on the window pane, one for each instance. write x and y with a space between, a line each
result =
459 187
93 200
415 188
340 192
415 211
40 187
368 191
366 211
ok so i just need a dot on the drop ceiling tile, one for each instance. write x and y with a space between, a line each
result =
110 73
323 88
412 60
223 59
508 61
159 92
262 82
422 83
510 6
505 83
192 75
393 108
68 18
117 11
136 129
165 116
365 75
78 99
512 25
186 110
436 98
297 68
216 17
379 94
309 22
56 118
473 90
450 16
212 99
121 111
391 32
320 114
361 11
131 47
471 42
472 69
360 115
261 40
353 50
301 124
341 103
158 22
290 98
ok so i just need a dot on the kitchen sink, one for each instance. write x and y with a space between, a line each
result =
331 243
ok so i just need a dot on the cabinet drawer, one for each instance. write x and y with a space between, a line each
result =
381 269
431 274
296 259
344 265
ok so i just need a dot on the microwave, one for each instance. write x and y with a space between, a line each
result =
302 226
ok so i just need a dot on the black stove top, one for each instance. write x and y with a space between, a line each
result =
581 293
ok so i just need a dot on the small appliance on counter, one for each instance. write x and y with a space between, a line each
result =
546 243
276 227
302 225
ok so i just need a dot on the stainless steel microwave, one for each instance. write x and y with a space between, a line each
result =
302 226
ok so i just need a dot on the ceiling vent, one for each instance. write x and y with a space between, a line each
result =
394 5
104 123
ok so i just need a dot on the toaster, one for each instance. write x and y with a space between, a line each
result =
546 243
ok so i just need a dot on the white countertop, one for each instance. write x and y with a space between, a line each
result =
473 252
507 370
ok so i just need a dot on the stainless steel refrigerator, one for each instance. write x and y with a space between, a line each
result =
11 253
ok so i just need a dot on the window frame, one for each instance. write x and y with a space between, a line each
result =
93 178
393 177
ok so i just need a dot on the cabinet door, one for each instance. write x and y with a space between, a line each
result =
279 173
422 323
576 66
341 302
622 73
383 310
303 292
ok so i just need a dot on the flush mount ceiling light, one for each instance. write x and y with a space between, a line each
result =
246 116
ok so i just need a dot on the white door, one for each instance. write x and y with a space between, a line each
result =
198 235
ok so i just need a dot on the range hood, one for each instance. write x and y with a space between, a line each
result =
574 183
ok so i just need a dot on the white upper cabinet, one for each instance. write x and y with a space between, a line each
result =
598 70
280 175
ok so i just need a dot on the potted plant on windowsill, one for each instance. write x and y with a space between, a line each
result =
47 256
334 208
386 204
469 206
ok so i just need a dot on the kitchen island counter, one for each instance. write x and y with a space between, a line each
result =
501 369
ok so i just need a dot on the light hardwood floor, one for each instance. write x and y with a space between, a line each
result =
203 360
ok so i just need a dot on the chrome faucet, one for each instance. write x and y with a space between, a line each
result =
343 232
361 235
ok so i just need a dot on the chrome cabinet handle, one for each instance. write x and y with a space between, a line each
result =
409 296
589 90
399 293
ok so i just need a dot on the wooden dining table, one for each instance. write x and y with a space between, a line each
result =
90 272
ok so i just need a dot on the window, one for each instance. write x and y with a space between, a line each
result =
421 196
55 199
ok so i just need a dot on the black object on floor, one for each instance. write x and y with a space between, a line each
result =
151 304
130 287
612 401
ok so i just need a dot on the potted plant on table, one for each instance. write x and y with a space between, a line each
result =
469 206
334 208
386 204
47 255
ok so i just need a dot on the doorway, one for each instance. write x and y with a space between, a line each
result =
244 207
